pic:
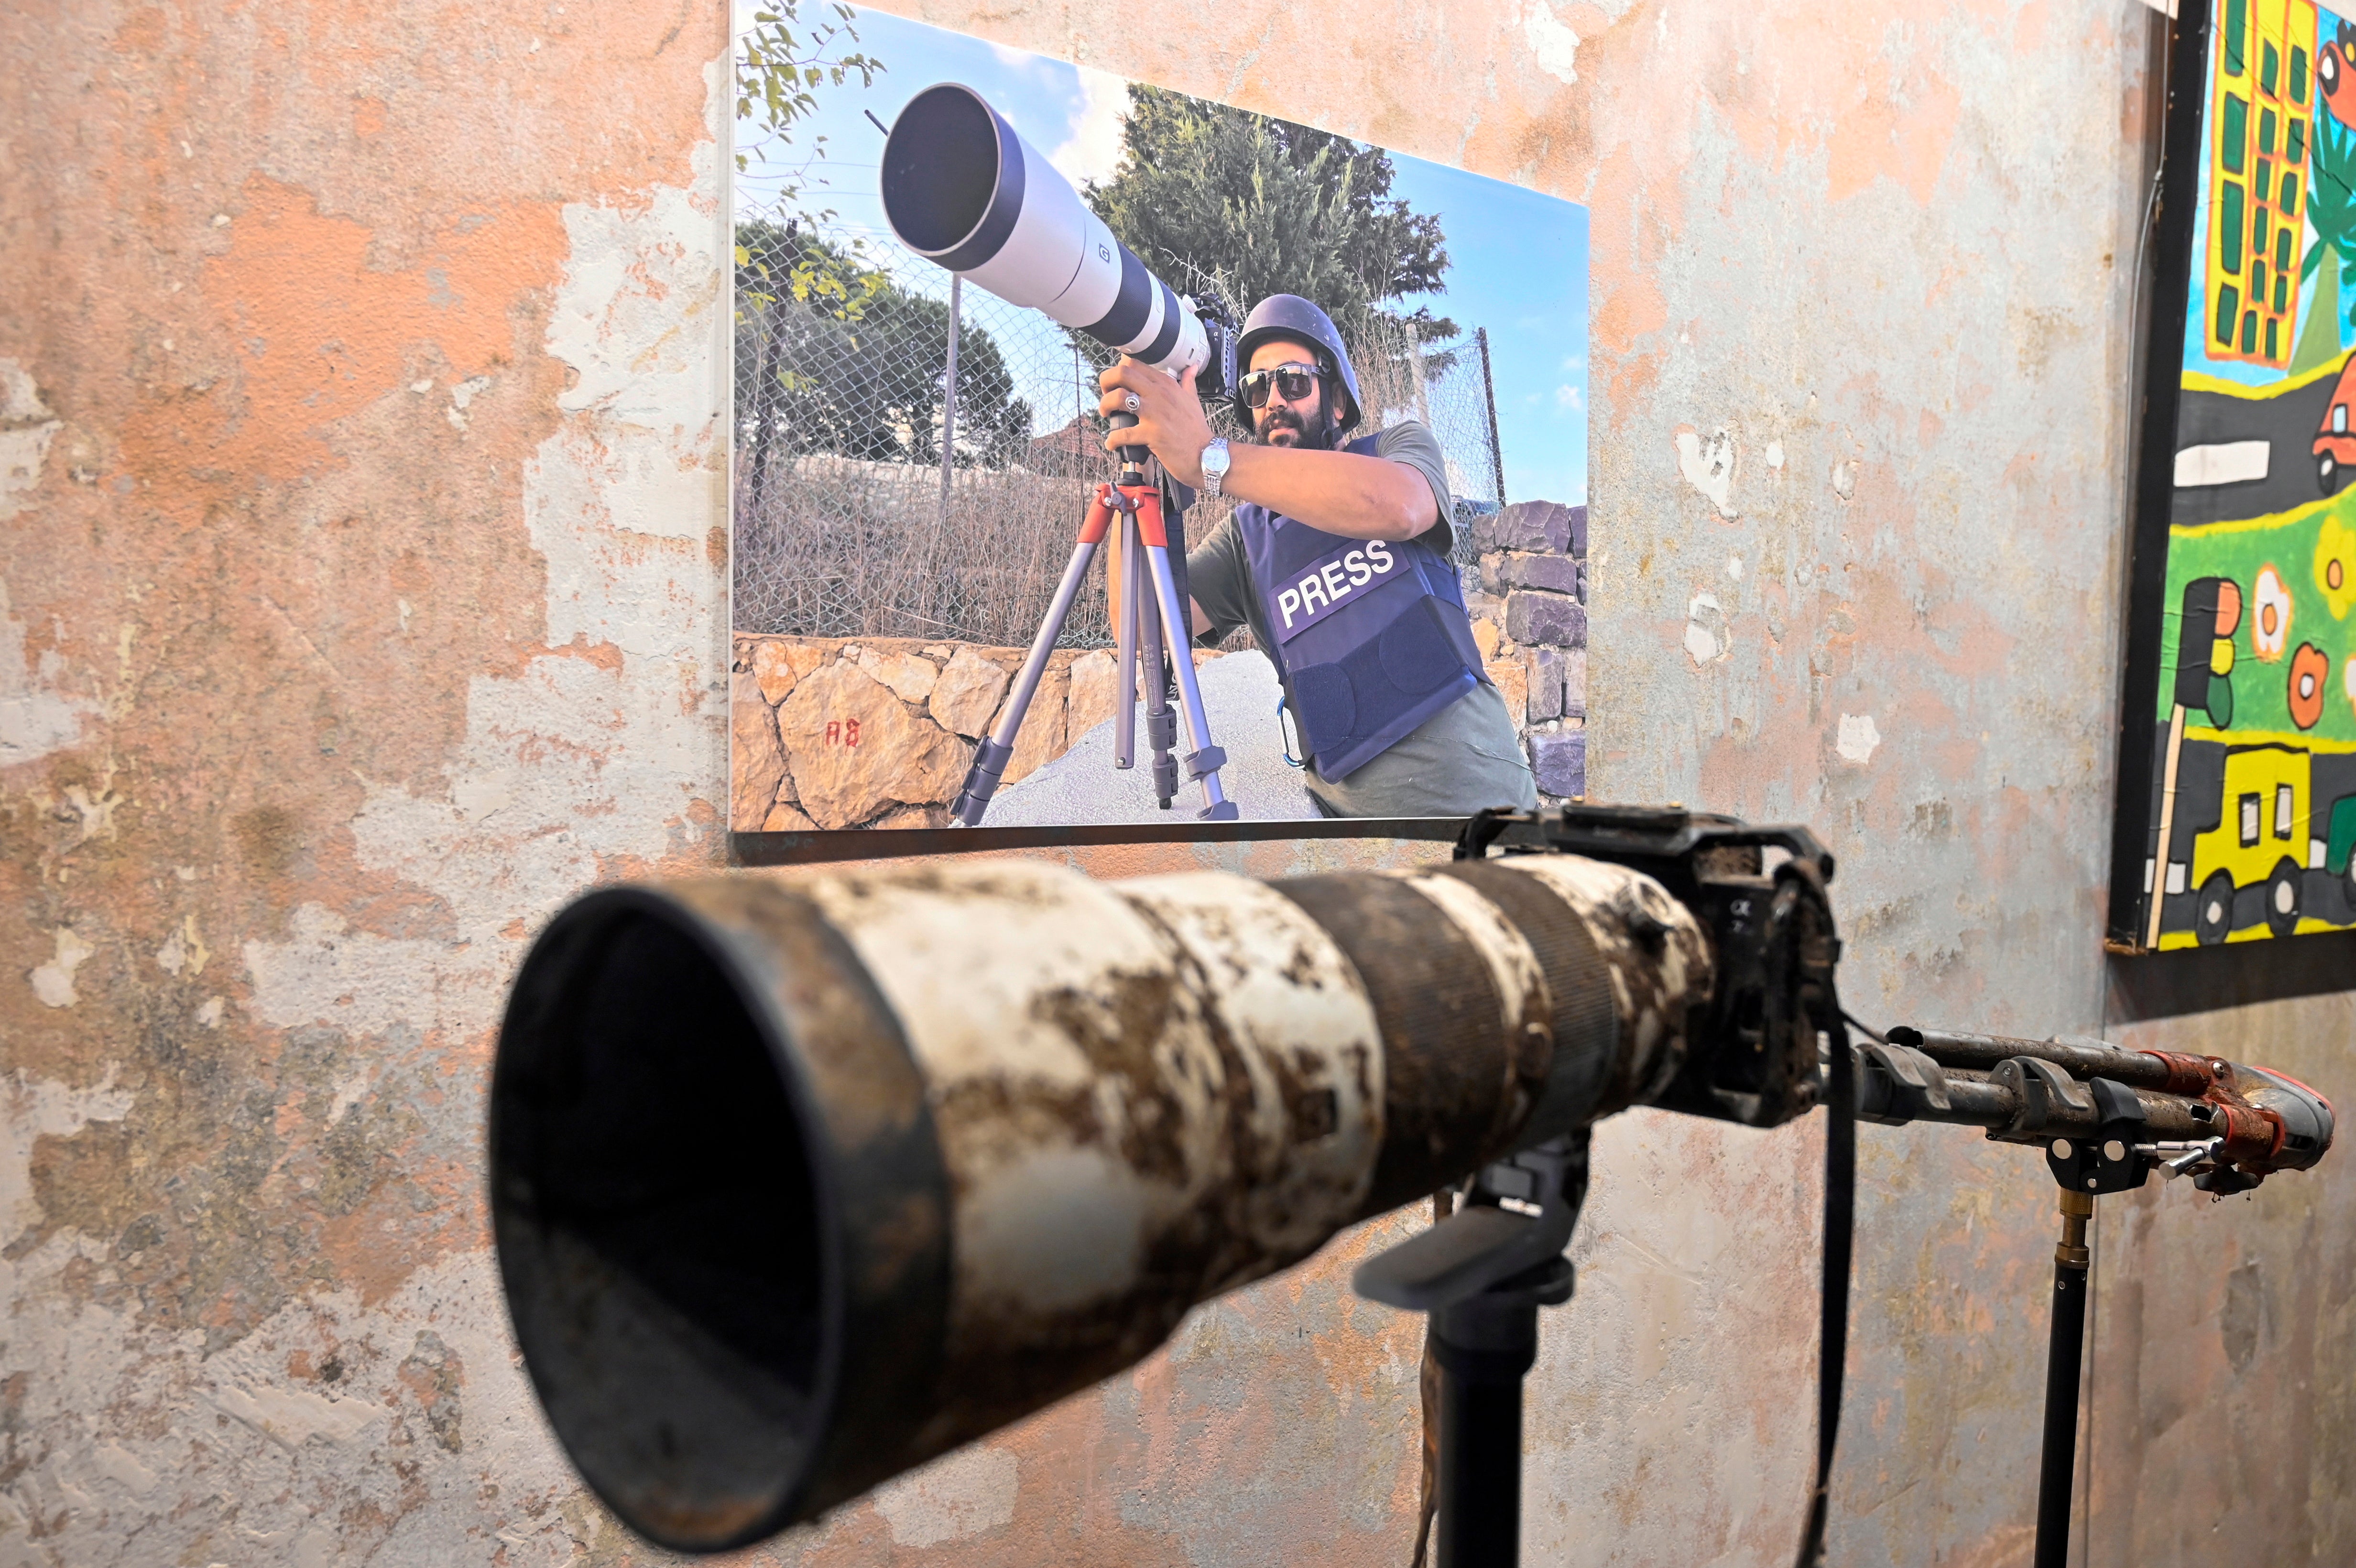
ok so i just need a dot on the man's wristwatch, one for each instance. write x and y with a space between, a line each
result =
1214 467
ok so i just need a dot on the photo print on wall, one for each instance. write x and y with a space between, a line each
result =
2238 777
915 449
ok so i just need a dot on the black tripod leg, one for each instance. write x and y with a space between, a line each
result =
2057 1470
1480 1523
1486 1345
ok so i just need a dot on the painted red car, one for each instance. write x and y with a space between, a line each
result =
2335 443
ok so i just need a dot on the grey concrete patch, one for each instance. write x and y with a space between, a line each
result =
1239 694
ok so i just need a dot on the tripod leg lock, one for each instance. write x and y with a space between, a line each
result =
981 783
1209 759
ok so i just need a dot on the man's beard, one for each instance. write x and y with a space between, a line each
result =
1290 419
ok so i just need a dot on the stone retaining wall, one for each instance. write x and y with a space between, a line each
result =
878 731
1528 600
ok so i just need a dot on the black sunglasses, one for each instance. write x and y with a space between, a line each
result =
1293 380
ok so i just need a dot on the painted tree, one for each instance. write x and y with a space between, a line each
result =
2331 211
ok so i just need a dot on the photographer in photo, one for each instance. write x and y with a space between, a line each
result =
1337 556
1337 559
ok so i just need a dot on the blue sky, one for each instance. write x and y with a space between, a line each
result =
1518 261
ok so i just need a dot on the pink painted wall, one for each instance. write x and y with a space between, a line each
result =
362 597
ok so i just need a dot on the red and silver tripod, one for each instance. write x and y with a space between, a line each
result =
1152 619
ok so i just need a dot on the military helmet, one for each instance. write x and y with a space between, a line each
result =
1290 316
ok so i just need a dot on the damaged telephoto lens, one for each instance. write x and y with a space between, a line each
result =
797 1184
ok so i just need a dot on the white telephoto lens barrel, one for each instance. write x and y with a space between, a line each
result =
961 188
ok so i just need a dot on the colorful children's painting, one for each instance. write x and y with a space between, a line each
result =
2250 816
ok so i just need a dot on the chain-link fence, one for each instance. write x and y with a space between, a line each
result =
848 522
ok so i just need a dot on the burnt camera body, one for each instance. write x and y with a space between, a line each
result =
1759 892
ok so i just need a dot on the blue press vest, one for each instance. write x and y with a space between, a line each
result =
1372 636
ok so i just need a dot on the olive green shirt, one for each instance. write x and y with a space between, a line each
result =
1462 758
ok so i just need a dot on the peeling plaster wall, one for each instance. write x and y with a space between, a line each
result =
363 596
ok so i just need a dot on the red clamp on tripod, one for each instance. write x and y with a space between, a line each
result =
1152 621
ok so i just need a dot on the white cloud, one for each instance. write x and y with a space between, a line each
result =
1093 149
1569 396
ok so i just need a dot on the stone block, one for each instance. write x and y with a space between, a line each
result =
915 816
1554 619
779 666
967 694
1559 760
783 818
1544 667
1512 683
1095 692
1043 737
1533 526
1574 683
854 748
757 763
911 679
1524 569
1485 637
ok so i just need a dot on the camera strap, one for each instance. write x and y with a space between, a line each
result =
1841 1222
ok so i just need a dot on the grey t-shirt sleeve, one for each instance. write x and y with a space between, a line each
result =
1411 442
1219 581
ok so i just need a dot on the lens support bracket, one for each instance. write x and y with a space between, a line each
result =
1481 1274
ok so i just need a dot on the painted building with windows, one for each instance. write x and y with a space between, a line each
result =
2261 108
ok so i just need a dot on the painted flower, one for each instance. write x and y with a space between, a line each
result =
2270 627
2335 566
2310 673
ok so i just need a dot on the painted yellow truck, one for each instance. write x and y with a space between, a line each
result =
2269 835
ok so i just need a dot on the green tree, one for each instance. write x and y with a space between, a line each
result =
1208 193
858 371
779 64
